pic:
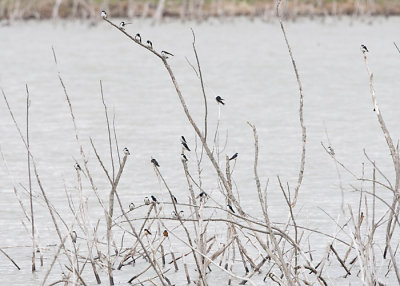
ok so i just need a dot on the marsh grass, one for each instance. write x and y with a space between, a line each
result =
198 10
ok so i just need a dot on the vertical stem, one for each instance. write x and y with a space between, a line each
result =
30 181
109 131
303 128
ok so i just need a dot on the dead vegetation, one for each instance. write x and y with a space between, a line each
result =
182 246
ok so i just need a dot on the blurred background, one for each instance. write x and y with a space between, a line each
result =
191 9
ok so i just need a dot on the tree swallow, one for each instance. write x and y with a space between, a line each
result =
131 206
126 151
174 198
123 24
331 151
233 157
74 236
203 195
186 146
147 232
146 201
77 167
154 198
165 54
184 143
184 157
155 163
231 208
104 14
138 38
149 44
220 100
364 49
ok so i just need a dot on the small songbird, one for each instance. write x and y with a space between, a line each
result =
147 232
233 157
131 206
154 199
149 44
77 167
165 233
146 201
231 208
165 54
104 14
174 198
123 24
331 151
184 143
74 236
186 146
220 100
174 215
138 38
181 213
155 163
126 151
184 157
364 49
203 195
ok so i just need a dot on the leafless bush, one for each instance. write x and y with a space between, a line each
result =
253 248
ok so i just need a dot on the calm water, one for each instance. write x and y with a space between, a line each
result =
247 63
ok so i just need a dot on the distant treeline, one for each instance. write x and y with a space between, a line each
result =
190 9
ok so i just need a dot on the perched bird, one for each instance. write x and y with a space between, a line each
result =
147 232
131 206
165 233
165 54
181 213
77 167
174 198
138 38
149 44
361 218
233 157
104 14
231 208
220 100
123 24
331 151
184 157
174 215
364 49
155 163
186 146
154 198
74 236
203 195
126 151
146 201
184 143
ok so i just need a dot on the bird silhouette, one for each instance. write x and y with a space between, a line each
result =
233 157
155 163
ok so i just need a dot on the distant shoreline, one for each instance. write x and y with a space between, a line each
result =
193 9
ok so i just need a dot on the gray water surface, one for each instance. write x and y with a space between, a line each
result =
247 63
